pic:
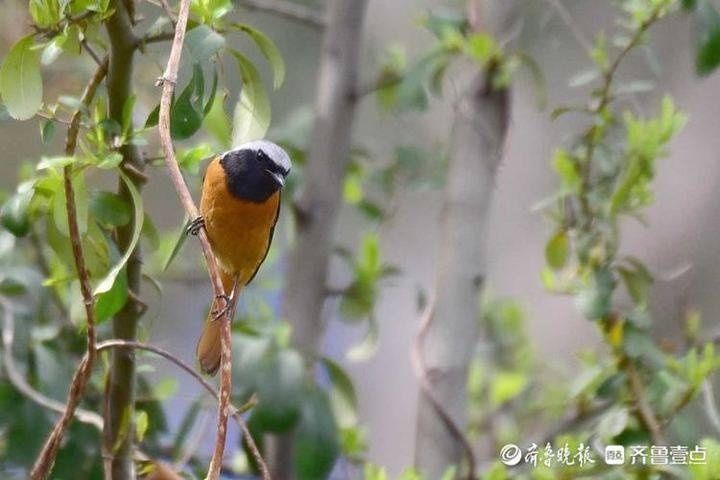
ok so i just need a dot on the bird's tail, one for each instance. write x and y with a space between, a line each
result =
208 349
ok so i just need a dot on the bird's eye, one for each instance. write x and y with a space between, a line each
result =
261 155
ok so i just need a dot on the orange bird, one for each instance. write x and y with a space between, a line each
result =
239 208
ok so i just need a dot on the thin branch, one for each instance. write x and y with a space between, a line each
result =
99 61
711 408
570 23
646 415
46 458
421 373
168 82
288 10
235 412
155 38
18 381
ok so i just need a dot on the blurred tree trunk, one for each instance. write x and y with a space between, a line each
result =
319 202
120 391
475 149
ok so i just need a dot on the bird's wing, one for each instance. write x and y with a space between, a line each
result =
270 238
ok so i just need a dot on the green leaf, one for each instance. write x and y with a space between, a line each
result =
369 345
165 388
202 42
316 442
556 250
186 113
412 91
45 12
707 470
59 205
110 210
55 163
708 38
280 381
20 80
47 130
342 395
505 386
111 302
111 160
182 236
138 218
637 281
127 115
14 214
251 118
216 121
269 51
141 424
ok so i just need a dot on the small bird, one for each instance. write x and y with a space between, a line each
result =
239 208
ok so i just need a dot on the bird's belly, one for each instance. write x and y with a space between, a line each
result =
239 232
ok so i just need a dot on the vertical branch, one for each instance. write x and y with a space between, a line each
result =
319 202
46 458
168 82
120 391
477 138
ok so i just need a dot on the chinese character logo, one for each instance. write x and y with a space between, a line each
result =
510 454
615 455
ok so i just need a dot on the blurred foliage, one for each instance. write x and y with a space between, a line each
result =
604 177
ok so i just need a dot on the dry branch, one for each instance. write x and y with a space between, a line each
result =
168 82
289 10
46 458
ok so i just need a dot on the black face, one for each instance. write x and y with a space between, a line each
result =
252 175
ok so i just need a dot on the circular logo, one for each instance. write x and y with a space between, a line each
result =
510 454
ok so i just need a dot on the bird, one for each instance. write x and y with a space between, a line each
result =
239 208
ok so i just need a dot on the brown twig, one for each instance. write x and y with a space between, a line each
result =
646 415
46 458
168 82
235 412
288 10
421 373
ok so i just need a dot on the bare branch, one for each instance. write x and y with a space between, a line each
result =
289 10
422 374
646 415
168 82
235 412
570 23
46 458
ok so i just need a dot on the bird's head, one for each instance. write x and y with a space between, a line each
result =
256 170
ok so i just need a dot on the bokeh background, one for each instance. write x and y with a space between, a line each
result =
679 242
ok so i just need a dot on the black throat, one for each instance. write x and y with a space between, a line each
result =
246 177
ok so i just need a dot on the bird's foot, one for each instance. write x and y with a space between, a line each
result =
227 306
195 226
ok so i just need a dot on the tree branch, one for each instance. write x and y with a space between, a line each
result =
423 376
289 10
320 200
235 412
119 407
646 415
168 82
46 458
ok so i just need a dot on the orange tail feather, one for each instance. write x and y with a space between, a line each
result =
208 349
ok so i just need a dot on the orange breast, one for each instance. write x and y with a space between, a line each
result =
239 231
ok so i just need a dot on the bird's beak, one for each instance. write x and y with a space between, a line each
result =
279 179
